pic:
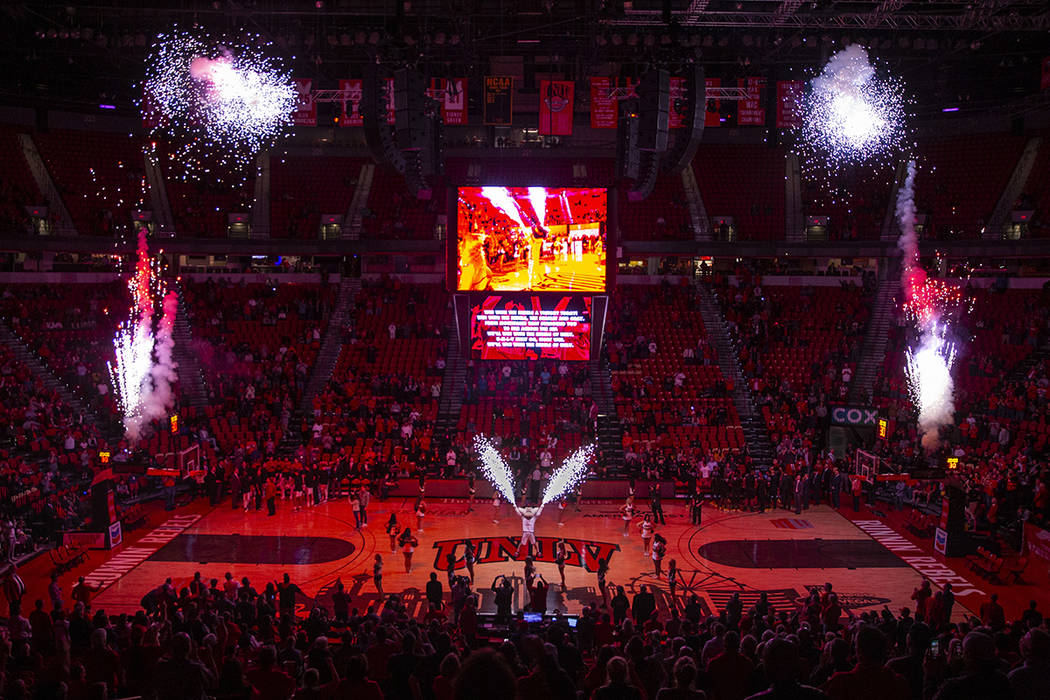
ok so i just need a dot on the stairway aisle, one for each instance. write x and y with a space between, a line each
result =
756 435
875 340
453 384
192 389
610 430
31 360
324 364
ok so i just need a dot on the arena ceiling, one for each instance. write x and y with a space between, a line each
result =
981 54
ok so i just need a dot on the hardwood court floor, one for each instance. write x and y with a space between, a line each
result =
777 552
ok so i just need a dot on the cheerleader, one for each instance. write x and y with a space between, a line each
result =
392 529
627 513
470 554
421 510
495 508
559 559
470 494
561 512
408 543
672 582
603 571
659 550
646 528
377 574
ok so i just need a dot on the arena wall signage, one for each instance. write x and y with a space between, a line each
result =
586 554
854 415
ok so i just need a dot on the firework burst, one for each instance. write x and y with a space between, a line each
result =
852 114
218 102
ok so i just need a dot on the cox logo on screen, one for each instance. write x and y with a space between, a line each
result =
852 415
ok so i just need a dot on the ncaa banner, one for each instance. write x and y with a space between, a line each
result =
788 94
556 102
498 108
351 103
1045 83
305 113
750 111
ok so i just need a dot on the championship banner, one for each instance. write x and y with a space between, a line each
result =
556 102
351 117
1045 82
679 104
452 94
788 94
499 100
750 111
305 113
714 107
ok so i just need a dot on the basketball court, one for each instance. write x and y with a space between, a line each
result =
776 552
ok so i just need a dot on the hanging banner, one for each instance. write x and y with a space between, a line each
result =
499 100
556 102
679 105
604 108
351 103
750 111
714 117
1045 83
788 94
606 94
454 101
305 113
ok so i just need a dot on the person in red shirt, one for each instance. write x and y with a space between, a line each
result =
82 592
921 596
269 682
869 679
730 672
102 663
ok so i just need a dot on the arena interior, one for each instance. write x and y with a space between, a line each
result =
447 349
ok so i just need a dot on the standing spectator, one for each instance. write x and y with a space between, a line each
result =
435 592
730 672
869 679
643 607
270 683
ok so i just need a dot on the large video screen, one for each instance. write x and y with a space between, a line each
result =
530 328
531 239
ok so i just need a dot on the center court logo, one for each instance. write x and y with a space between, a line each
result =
586 554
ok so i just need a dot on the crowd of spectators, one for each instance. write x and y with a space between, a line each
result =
228 639
999 431
798 349
673 403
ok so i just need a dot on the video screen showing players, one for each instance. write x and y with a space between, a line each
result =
531 328
531 239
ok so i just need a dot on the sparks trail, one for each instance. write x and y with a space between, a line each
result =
930 305
143 370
